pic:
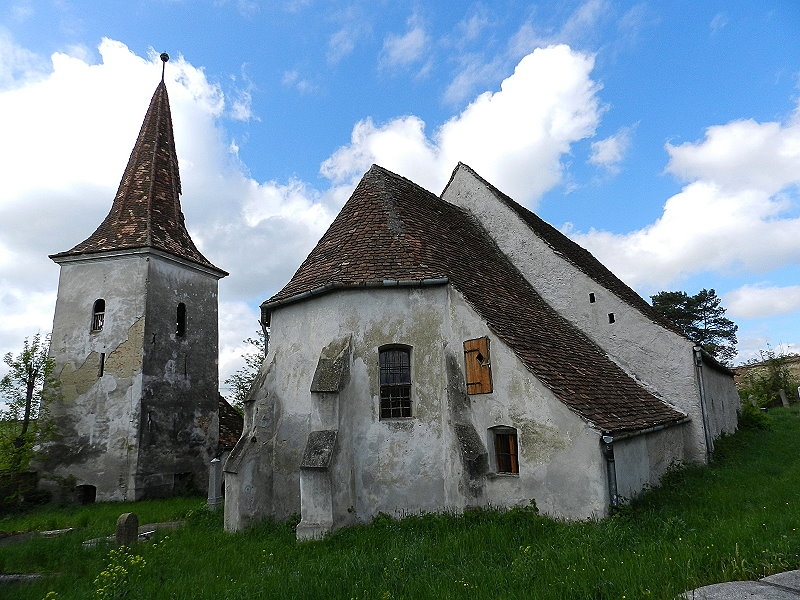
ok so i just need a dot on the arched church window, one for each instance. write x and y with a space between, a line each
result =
180 325
98 314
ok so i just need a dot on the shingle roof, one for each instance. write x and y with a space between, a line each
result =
146 212
579 256
231 424
392 229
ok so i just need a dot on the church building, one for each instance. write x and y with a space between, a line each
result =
453 352
135 340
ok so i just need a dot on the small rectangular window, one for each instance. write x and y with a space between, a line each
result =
102 367
477 365
395 376
611 318
592 299
505 449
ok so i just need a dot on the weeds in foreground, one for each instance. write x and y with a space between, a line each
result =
736 519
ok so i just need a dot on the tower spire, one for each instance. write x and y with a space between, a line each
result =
146 212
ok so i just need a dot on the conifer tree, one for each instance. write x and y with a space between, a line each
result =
702 319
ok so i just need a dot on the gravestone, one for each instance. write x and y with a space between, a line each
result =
215 483
127 529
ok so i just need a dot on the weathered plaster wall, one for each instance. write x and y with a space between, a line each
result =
722 401
638 345
401 466
152 413
93 415
643 459
561 465
178 421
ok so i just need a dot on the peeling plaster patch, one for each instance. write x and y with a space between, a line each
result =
76 382
126 359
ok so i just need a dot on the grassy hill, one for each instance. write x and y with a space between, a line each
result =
739 518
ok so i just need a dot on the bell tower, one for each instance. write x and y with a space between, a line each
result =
135 339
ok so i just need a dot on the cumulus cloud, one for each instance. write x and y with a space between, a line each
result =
737 210
516 135
756 301
67 137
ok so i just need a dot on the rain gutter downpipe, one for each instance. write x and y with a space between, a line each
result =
607 447
698 365
607 442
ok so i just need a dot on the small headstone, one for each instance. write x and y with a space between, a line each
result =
215 483
784 399
127 529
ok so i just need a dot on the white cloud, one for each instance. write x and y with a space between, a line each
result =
739 209
18 65
719 22
67 138
611 151
406 49
758 301
742 155
516 136
341 44
295 80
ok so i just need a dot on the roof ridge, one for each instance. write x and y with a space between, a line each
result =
440 240
577 255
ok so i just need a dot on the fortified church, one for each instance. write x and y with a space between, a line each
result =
432 353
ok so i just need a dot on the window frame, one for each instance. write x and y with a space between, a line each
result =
98 315
505 446
394 397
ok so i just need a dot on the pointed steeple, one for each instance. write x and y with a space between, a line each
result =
146 212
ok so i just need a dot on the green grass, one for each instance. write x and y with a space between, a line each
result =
736 519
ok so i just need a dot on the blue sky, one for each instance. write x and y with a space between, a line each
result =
663 136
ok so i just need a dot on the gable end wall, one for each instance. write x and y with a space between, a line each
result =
639 346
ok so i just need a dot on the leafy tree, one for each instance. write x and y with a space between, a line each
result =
702 319
22 389
766 376
242 380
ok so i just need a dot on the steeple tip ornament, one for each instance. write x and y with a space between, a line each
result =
164 59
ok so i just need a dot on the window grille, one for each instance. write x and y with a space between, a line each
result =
395 375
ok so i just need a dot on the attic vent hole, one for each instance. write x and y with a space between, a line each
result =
591 298
611 318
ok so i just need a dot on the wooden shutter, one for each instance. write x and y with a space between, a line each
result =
478 366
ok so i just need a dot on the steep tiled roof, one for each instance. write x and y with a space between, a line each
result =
392 229
231 424
580 257
146 212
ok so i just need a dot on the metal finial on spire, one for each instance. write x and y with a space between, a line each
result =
164 59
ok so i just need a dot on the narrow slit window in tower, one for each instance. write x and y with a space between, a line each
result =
98 314
180 325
